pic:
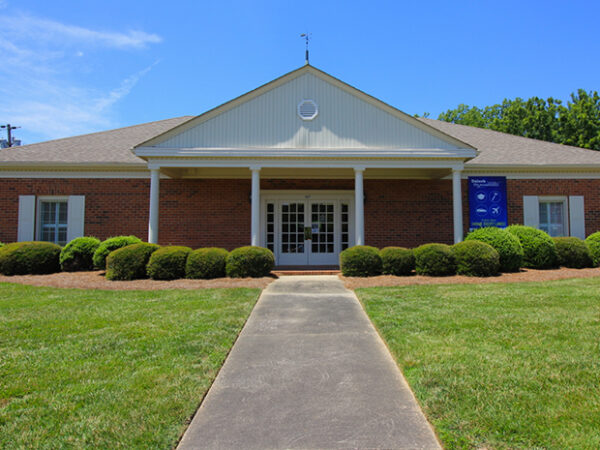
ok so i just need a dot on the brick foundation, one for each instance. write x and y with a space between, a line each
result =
205 212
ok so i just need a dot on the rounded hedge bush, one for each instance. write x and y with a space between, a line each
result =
109 245
572 252
78 254
168 263
506 244
129 262
539 250
593 243
435 260
206 263
397 261
249 262
29 258
360 261
476 259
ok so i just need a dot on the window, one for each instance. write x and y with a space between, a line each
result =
53 221
553 217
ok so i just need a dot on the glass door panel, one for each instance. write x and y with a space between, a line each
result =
323 223
292 248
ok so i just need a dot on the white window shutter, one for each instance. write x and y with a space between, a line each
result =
26 226
576 216
531 211
75 216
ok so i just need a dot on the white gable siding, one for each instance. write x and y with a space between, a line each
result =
271 121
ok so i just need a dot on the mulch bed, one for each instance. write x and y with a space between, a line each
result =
523 275
96 280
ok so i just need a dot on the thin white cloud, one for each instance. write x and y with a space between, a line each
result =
28 27
42 85
126 86
60 111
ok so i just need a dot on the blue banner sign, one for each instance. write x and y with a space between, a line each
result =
487 202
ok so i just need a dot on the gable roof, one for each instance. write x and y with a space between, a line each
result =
502 149
266 118
109 148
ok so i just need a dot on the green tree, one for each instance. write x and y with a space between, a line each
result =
577 123
580 120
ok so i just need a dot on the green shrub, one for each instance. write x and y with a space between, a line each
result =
1 245
78 254
539 250
29 258
593 243
361 261
249 262
476 259
109 245
506 244
397 261
168 263
129 262
435 260
206 263
572 252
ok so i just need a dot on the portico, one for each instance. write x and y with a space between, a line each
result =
306 125
273 228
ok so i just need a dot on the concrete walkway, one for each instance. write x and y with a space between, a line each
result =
309 371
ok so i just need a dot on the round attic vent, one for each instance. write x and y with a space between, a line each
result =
307 110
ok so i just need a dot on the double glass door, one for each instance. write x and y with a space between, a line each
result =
307 232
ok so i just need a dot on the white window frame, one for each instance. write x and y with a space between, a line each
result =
565 205
38 214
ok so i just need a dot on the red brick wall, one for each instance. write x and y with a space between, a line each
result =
590 189
408 213
112 206
206 212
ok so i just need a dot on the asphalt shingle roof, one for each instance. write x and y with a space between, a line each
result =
106 147
113 147
509 150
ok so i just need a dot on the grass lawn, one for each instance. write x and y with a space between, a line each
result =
499 365
110 369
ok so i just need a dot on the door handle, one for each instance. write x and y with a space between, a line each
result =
307 233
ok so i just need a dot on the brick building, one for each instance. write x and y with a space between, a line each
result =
305 165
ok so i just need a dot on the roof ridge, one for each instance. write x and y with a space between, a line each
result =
101 132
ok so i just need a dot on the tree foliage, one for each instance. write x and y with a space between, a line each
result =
576 123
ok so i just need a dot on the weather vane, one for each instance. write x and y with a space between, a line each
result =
306 37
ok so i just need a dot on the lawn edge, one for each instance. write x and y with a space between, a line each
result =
403 378
189 420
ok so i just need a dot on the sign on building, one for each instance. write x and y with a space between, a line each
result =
487 202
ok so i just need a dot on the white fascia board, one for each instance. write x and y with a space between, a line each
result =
156 152
532 167
310 163
58 165
536 172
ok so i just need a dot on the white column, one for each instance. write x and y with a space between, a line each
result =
154 196
457 205
359 214
255 215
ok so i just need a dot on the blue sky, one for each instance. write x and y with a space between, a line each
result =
69 67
